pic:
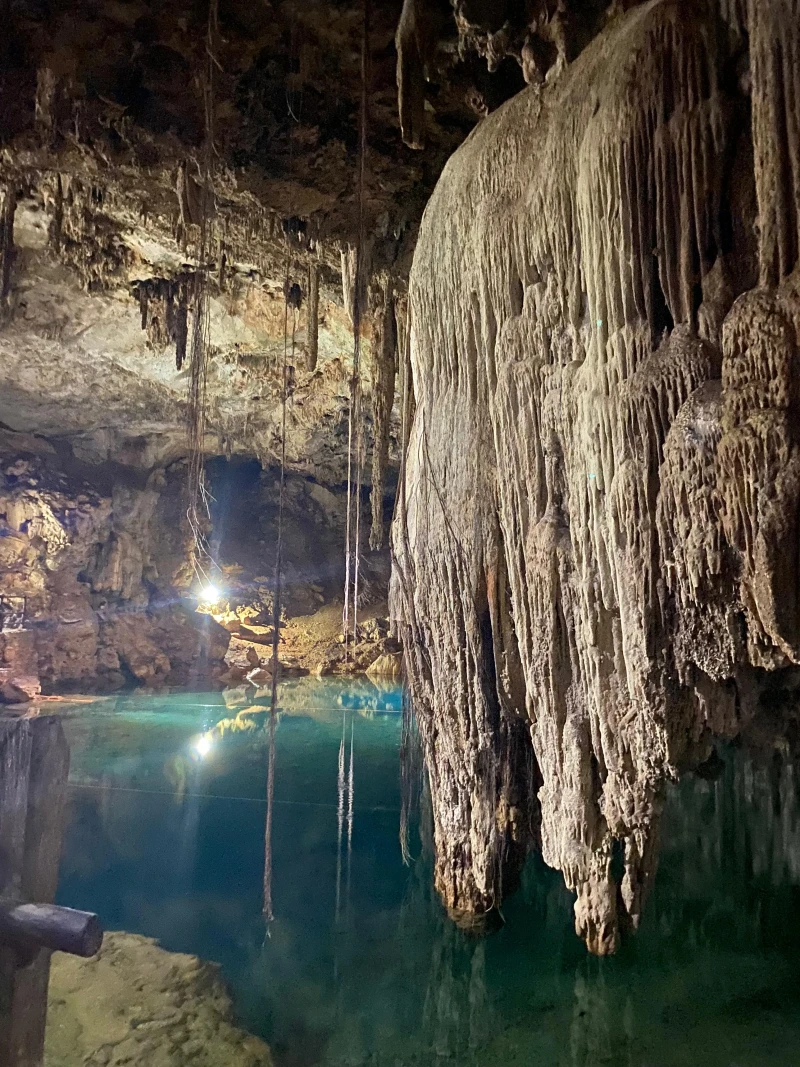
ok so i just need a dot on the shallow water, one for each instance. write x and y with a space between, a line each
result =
165 838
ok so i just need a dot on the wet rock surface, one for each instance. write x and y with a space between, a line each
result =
136 1003
314 644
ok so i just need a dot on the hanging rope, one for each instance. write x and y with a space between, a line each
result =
292 299
198 511
276 608
354 431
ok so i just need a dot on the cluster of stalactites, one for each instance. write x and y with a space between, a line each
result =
374 299
608 415
775 71
164 304
82 235
541 35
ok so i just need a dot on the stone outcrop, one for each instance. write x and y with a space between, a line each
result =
597 532
137 1003
93 563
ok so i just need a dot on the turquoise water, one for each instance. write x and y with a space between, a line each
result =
165 838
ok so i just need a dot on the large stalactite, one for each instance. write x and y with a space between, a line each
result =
596 540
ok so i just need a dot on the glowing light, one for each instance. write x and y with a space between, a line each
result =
209 595
202 746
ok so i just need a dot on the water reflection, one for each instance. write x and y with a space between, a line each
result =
168 842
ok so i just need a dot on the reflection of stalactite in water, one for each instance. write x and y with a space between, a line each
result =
188 795
340 785
603 1025
478 999
593 1034
411 774
457 1016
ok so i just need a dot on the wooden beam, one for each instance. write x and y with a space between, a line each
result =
35 926
34 763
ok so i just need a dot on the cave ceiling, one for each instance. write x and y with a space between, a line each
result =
115 120
110 116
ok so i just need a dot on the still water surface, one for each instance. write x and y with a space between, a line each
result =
165 838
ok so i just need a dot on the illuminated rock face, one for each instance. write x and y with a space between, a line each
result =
93 574
597 534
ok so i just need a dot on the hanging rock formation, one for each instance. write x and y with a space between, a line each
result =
597 536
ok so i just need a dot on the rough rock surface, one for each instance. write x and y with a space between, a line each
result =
149 153
79 366
136 1003
94 570
597 533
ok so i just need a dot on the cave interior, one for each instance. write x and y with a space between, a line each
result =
444 349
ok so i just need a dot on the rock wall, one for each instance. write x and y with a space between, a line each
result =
596 540
92 564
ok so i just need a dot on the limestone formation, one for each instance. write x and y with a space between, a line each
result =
595 426
94 571
137 1003
597 533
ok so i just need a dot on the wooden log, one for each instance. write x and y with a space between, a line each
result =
34 762
52 927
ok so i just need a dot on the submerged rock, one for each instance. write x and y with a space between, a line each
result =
135 1003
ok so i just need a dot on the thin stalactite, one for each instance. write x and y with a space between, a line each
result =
8 207
312 315
384 364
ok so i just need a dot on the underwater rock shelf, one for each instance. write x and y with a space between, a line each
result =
137 1003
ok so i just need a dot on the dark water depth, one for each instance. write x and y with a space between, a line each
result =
361 967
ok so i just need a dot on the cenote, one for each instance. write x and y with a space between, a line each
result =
351 345
361 965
